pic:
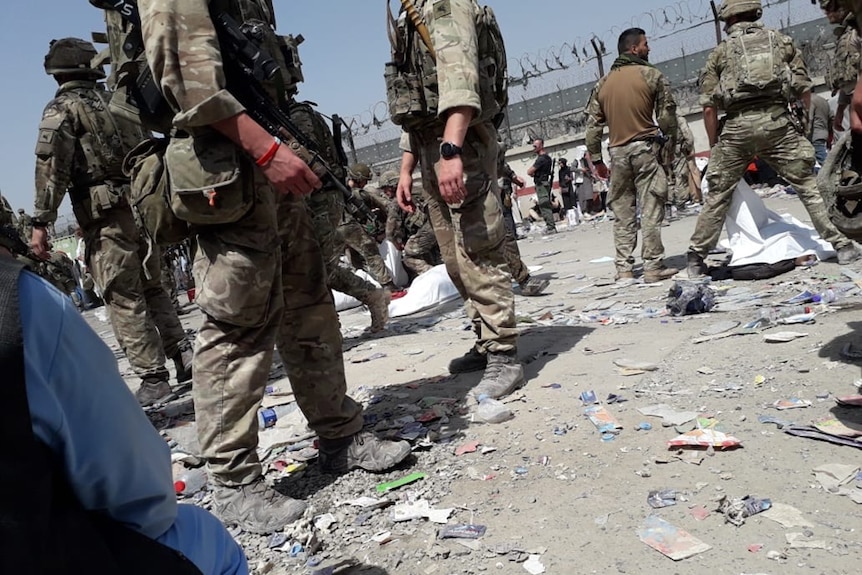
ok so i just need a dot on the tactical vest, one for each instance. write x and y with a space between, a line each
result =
844 66
755 70
313 125
104 140
411 76
43 528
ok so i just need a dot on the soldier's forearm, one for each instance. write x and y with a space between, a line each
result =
710 122
457 122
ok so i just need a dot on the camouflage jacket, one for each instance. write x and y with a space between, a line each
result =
622 83
844 66
7 216
80 149
713 83
400 225
381 208
684 139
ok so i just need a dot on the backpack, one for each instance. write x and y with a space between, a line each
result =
493 70
755 69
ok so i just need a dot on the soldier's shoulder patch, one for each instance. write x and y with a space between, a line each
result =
441 8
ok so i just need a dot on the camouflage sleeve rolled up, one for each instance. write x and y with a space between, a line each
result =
845 66
55 160
395 225
800 81
596 122
183 52
452 24
404 142
710 92
685 139
665 105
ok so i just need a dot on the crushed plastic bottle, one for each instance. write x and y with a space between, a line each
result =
785 314
268 416
492 411
190 482
824 297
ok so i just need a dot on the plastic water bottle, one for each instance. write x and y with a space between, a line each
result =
268 416
775 315
828 296
190 482
493 411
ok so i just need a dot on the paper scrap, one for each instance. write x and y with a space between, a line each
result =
669 540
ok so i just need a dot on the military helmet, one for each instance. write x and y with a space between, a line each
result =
20 210
72 56
359 172
730 8
293 73
389 178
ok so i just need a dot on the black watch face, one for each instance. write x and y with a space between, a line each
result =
449 150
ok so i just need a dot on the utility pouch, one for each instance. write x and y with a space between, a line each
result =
149 195
404 93
204 176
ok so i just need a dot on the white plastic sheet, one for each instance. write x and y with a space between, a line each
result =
756 234
428 290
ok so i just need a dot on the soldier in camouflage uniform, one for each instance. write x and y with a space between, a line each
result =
752 75
686 177
411 233
844 65
625 100
363 238
253 286
327 203
7 216
25 225
542 172
459 175
80 151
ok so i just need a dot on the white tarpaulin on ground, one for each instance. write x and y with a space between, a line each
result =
392 258
756 234
428 290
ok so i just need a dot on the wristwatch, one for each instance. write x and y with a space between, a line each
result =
448 150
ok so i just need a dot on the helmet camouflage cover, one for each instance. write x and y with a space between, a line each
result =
389 178
72 56
730 8
359 172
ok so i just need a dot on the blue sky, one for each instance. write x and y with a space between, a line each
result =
343 54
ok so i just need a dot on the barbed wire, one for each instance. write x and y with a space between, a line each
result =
674 30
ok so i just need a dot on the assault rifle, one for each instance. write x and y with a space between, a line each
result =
10 239
247 65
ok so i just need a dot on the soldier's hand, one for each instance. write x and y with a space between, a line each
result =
518 181
39 243
450 179
403 194
290 175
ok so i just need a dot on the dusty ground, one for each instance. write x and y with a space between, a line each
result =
551 486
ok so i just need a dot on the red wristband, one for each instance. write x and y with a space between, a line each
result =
269 154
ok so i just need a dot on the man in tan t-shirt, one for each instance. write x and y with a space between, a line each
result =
625 101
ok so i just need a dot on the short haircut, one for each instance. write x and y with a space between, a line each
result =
540 140
629 38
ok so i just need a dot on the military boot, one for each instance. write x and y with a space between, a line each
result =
154 391
361 450
503 375
848 254
473 360
378 304
661 274
183 362
695 265
533 287
256 507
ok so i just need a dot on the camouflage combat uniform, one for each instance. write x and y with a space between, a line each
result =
758 124
543 180
360 240
415 233
80 150
7 216
686 181
625 100
471 233
254 284
25 226
844 66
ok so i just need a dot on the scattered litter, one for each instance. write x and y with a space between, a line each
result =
463 531
670 417
366 359
850 400
614 398
705 438
706 371
420 509
755 548
720 327
783 336
603 420
661 498
589 397
759 380
591 351
737 510
601 260
687 298
469 447
699 512
792 403
786 516
834 477
367 502
533 565
390 485
804 541
669 540
553 386
382 537
635 365
781 423
643 426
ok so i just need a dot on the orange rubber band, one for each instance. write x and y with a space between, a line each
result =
269 154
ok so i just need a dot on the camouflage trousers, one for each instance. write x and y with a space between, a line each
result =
144 321
420 251
327 207
169 282
776 141
364 245
637 178
243 275
686 184
543 193
471 234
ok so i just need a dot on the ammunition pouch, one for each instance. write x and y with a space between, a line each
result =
91 204
205 183
409 102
